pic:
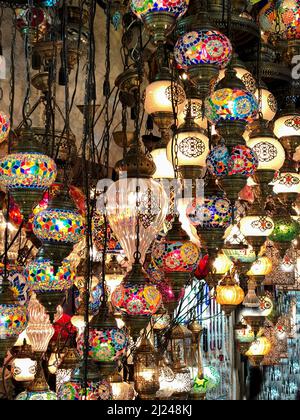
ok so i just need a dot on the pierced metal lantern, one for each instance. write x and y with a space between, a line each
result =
27 172
146 374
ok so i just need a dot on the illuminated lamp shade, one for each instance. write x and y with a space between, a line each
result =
203 47
4 127
268 105
164 168
285 229
96 389
23 369
244 335
262 267
241 73
222 264
229 294
17 281
210 213
286 182
269 151
245 255
121 390
191 145
41 277
59 227
160 321
176 256
288 19
260 348
241 161
27 172
195 105
160 96
37 396
107 343
112 243
123 213
137 299
256 226
230 104
287 125
13 320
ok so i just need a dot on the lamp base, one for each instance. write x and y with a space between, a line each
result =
203 76
159 25
51 300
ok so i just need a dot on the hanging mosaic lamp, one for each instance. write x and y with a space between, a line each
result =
137 299
161 97
159 17
4 127
33 23
49 285
270 154
13 319
286 229
107 343
27 172
202 52
242 73
177 257
59 228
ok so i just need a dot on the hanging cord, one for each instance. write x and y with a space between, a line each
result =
137 126
28 53
259 77
86 147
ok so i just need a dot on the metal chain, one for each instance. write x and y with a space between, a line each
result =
28 53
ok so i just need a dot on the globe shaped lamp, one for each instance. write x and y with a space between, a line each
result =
161 96
4 127
203 53
102 230
97 388
192 148
137 299
33 23
285 231
23 366
229 294
136 200
270 154
242 73
107 343
256 227
159 17
260 268
231 107
287 186
244 336
59 228
27 172
146 374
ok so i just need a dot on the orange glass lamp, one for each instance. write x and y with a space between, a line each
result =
229 294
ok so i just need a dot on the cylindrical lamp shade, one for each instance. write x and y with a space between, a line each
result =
161 95
203 47
269 151
256 226
288 125
192 149
268 104
164 168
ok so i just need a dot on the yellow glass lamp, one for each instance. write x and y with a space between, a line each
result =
260 348
261 267
229 294
222 264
